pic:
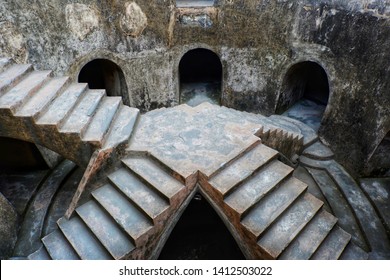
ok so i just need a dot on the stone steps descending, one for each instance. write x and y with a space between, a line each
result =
102 120
147 200
228 178
251 191
17 96
41 254
289 225
353 252
272 206
339 205
122 216
333 245
303 247
368 221
105 229
125 213
58 246
83 240
12 75
153 175
67 118
33 224
274 211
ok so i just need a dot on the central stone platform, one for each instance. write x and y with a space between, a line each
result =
188 139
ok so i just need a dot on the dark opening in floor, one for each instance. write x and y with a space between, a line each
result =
305 93
200 77
105 74
200 235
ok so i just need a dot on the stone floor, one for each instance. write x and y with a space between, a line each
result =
308 112
194 94
189 139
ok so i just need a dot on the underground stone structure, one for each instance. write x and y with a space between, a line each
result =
119 117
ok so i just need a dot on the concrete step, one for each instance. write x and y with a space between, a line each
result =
251 191
122 127
150 172
62 106
83 112
311 237
339 205
303 175
228 178
132 220
31 230
105 229
371 224
43 97
40 255
102 120
58 247
5 62
12 75
318 151
272 206
333 245
62 199
289 225
147 200
82 239
353 252
16 96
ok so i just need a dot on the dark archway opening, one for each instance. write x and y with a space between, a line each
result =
18 155
200 235
379 164
105 74
200 73
305 93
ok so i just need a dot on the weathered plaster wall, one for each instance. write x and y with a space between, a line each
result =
257 41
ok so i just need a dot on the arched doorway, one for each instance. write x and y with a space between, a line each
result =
200 72
305 93
200 235
105 74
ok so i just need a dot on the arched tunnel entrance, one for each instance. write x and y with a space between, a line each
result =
105 74
17 155
200 235
305 93
200 73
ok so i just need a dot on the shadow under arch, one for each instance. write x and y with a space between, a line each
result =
200 77
105 74
19 155
200 234
305 93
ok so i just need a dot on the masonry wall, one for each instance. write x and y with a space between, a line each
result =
256 40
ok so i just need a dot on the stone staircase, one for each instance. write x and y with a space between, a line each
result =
125 217
349 202
272 210
129 213
65 117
